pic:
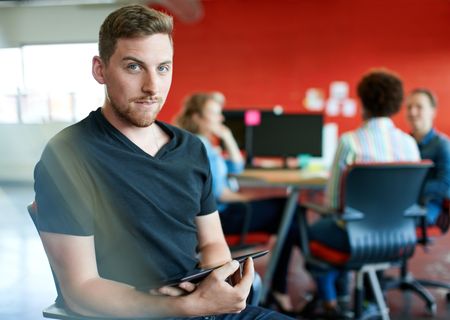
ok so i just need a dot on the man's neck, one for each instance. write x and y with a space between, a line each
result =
420 134
148 138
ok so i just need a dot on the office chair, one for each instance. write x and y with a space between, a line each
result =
58 310
426 236
378 204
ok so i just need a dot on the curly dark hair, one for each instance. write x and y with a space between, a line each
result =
381 93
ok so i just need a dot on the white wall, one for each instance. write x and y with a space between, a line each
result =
46 25
21 146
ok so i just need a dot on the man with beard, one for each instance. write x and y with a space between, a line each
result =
421 107
125 201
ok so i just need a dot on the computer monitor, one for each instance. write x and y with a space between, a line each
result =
286 135
234 120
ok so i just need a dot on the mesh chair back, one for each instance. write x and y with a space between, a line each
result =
379 202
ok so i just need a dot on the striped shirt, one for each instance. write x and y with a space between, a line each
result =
378 140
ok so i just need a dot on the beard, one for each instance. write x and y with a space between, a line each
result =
137 115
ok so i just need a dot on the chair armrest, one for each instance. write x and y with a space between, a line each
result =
322 210
415 211
351 214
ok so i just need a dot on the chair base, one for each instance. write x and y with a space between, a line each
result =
371 271
408 282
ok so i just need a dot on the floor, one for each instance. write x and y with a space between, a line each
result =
27 285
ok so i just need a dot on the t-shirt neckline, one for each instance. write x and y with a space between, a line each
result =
162 150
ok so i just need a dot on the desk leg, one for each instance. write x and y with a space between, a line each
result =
288 215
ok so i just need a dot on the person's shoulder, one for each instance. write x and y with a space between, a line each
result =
406 136
442 142
71 136
407 141
442 137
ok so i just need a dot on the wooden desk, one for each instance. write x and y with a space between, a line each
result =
283 178
295 181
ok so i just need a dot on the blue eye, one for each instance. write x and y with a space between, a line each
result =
134 67
163 68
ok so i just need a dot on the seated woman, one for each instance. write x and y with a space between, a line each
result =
377 140
202 115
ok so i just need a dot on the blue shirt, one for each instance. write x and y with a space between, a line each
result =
436 147
220 169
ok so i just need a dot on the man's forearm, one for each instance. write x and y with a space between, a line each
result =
101 297
214 255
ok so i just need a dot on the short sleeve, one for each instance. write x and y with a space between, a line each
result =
344 156
208 200
63 196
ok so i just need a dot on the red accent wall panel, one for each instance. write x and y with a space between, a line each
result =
262 53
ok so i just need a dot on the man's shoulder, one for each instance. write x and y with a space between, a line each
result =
441 142
442 138
73 136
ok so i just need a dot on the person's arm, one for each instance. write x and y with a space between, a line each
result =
228 195
215 293
85 292
230 144
212 246
343 157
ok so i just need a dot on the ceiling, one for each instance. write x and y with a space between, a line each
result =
188 11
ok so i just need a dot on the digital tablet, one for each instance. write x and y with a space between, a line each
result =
197 275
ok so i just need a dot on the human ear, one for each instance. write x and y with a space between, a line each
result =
98 69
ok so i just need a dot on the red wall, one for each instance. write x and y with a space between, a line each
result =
266 52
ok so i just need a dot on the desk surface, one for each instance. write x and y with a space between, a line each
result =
283 177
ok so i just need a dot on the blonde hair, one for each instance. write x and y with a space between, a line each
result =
195 105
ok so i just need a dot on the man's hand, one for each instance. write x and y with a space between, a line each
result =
215 295
183 289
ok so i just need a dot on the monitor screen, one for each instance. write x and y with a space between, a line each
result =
234 120
287 135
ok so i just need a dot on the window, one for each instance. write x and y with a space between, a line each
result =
10 84
48 83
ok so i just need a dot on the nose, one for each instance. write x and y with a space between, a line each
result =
412 111
150 83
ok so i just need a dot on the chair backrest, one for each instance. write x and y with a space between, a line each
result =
32 210
380 201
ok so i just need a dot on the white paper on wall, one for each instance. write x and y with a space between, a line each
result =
339 90
332 107
349 108
314 99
